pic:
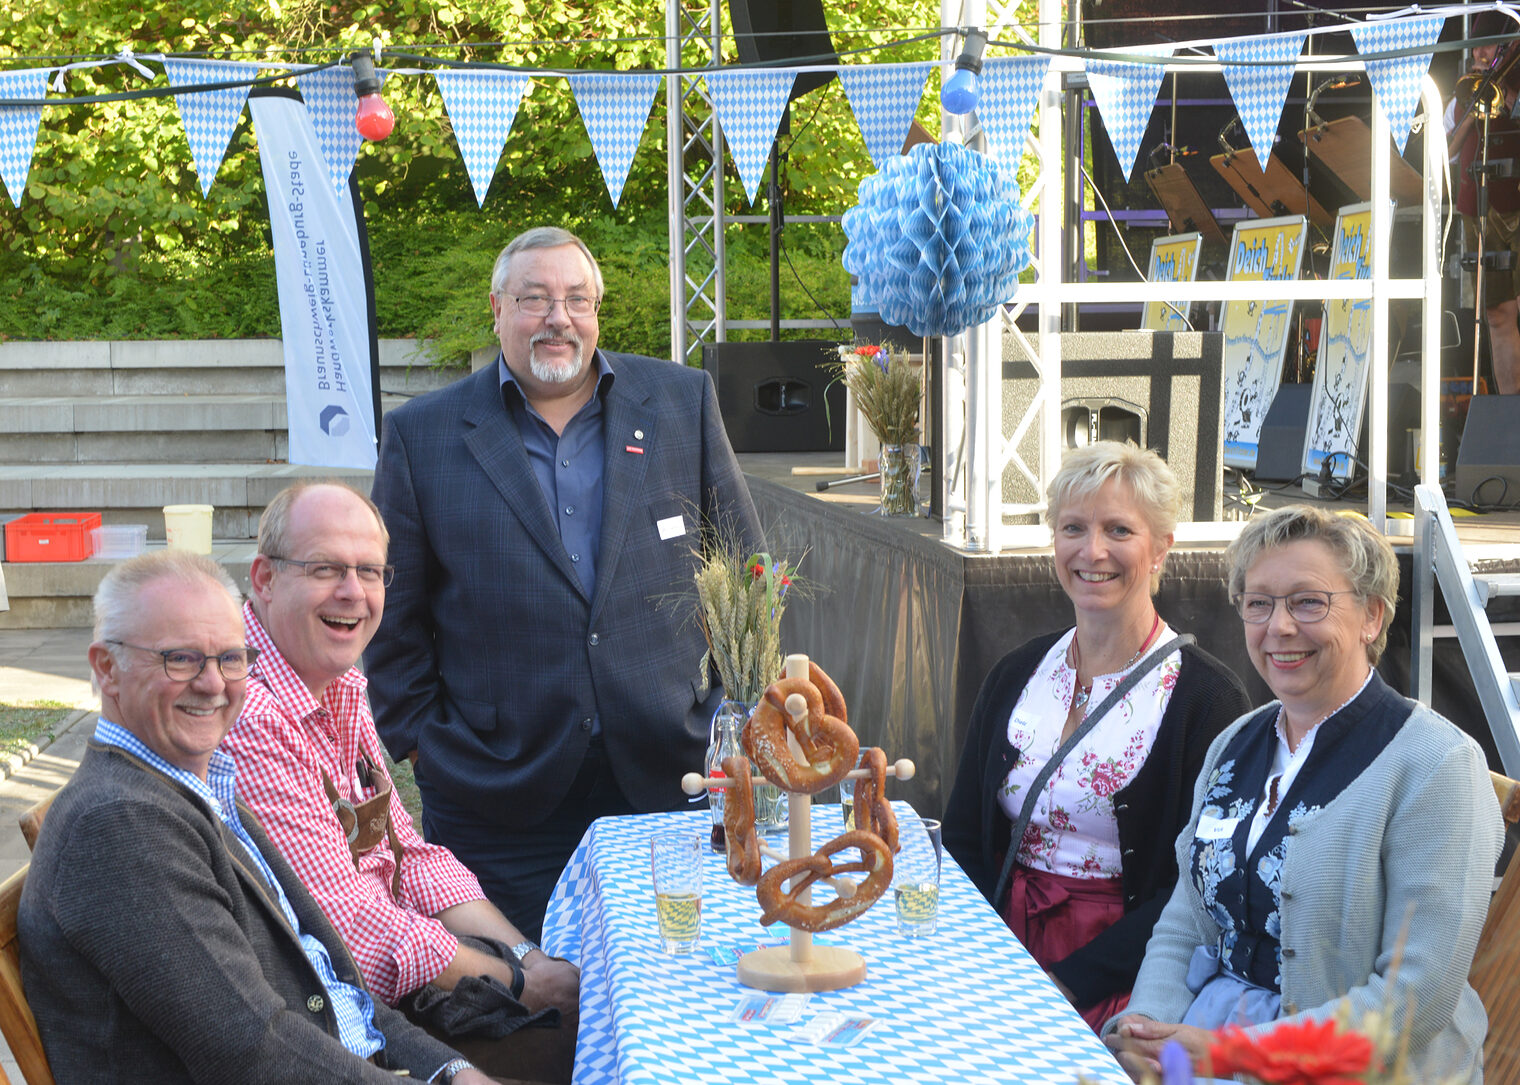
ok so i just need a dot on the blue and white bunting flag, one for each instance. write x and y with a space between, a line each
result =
330 99
18 127
482 106
1010 89
1260 89
209 116
615 110
884 98
1126 93
1396 80
749 104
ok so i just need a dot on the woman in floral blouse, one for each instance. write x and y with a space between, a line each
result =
1343 840
1094 865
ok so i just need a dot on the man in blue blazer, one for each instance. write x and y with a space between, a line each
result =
539 658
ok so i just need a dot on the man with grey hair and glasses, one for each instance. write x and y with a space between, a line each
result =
544 513
163 938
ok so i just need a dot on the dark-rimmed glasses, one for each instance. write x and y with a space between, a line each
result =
186 664
330 571
578 306
1308 607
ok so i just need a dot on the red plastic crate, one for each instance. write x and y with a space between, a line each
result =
50 536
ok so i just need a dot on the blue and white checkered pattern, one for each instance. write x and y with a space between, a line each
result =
1260 89
209 116
884 98
18 127
1010 89
749 104
1396 80
967 1004
329 95
615 109
1126 93
482 106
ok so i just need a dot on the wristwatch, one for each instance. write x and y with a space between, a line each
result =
450 1069
523 948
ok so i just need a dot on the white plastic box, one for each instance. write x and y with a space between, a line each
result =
116 541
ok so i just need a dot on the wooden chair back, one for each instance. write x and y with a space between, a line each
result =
16 1020
1495 973
31 821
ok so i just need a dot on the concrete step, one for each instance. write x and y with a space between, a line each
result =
56 595
177 367
137 493
147 428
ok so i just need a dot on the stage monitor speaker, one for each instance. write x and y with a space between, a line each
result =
1488 460
776 30
1280 446
778 397
1162 390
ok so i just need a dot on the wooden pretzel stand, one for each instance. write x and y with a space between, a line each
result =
800 965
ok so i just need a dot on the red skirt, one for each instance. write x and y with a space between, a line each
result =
1054 916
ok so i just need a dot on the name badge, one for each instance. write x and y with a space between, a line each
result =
672 527
1212 828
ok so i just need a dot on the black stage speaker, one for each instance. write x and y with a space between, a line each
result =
778 397
1488 461
1280 447
1162 390
779 30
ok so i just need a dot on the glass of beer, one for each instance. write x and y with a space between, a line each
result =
915 880
676 863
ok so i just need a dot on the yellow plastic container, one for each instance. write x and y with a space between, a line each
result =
188 527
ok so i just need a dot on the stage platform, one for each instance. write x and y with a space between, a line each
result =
908 625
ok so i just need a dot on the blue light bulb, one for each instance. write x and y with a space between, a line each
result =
960 92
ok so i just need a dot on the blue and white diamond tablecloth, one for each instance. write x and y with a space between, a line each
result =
965 1005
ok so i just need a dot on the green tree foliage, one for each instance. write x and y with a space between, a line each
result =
113 232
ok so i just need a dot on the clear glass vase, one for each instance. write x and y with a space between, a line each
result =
899 466
770 803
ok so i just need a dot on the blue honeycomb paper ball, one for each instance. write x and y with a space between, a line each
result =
938 238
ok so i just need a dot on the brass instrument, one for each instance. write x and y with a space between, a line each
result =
1482 92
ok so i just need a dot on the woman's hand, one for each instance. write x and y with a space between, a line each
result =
1137 1041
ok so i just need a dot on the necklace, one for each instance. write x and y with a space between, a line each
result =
1084 691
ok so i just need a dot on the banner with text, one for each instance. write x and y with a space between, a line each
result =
324 304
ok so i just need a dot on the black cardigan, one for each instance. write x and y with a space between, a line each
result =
1152 809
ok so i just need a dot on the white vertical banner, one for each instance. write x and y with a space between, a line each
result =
324 305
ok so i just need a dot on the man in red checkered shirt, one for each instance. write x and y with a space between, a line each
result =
311 766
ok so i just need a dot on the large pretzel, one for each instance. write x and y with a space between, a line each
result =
775 903
873 812
739 823
822 734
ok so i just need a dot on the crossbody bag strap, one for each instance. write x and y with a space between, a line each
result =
1126 684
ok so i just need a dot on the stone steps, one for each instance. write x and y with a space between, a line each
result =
125 428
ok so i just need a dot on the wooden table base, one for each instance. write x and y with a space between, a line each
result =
829 969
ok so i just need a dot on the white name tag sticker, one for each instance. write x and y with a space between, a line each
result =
672 527
1210 828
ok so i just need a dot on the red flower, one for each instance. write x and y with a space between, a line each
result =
757 570
1304 1053
868 351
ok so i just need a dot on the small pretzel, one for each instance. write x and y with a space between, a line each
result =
822 734
739 823
873 812
775 903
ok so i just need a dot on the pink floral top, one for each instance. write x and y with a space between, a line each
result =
1073 830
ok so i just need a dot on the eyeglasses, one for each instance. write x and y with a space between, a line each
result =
328 572
1256 607
186 664
577 305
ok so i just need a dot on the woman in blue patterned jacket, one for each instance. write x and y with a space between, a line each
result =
1343 839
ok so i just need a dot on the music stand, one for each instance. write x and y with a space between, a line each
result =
1271 194
1344 147
1184 206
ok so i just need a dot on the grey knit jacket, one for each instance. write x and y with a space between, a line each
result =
152 950
1385 891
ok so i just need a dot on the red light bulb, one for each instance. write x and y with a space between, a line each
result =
374 119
